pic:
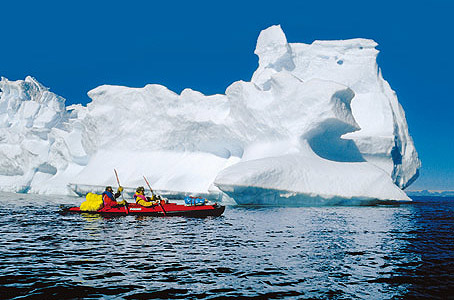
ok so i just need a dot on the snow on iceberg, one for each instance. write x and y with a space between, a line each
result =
383 138
317 124
39 139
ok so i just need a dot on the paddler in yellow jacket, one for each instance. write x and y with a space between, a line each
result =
140 198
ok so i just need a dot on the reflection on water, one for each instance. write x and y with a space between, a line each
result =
311 252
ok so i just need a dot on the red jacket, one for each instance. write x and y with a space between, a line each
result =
108 201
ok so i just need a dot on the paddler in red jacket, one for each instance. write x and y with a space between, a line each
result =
140 198
109 199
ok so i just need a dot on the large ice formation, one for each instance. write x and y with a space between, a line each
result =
317 124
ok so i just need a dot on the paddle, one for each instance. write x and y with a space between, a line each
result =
151 190
118 181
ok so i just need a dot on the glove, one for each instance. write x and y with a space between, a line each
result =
120 189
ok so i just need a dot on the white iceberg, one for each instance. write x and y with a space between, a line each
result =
317 124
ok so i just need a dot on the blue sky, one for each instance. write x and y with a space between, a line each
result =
74 46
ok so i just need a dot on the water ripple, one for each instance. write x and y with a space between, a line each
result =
250 253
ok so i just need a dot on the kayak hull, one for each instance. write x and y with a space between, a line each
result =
170 209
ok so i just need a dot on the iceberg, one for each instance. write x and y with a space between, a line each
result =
317 124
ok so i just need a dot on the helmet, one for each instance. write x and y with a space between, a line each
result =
108 188
140 189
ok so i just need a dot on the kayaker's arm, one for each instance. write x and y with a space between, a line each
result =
118 193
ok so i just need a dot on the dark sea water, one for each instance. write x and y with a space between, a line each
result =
375 252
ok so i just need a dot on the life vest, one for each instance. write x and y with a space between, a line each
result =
142 200
139 197
108 199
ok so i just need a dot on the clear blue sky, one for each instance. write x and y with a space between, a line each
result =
74 46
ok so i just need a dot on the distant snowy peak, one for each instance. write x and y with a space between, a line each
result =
430 193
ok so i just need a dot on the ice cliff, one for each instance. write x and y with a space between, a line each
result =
317 124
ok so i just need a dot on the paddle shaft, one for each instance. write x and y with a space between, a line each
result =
118 181
159 201
149 186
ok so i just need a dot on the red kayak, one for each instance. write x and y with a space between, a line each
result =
166 209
